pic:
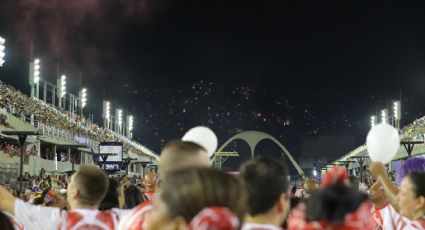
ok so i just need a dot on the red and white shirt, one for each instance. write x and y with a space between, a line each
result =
137 218
252 226
378 216
394 221
48 218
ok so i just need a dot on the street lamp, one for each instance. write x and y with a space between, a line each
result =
2 53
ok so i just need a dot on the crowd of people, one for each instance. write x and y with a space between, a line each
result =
187 194
40 114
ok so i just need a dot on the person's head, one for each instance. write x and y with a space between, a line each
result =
266 182
414 164
87 187
133 197
114 197
150 182
377 193
180 154
412 196
185 193
333 203
310 186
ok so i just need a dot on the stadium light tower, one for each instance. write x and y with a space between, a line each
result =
83 99
397 113
61 86
35 77
107 114
384 116
2 48
118 120
372 121
129 126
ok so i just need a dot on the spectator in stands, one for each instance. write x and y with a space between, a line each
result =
199 199
266 183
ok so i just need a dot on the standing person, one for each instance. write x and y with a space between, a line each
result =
407 209
266 182
150 183
175 155
83 196
199 198
380 204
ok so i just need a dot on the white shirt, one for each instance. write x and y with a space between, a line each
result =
48 218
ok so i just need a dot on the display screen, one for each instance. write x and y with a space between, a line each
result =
114 159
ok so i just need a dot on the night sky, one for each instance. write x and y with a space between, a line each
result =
293 69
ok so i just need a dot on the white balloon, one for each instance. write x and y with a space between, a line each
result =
204 137
383 142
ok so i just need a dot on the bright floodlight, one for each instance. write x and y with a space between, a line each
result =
130 123
2 53
119 117
108 110
372 121
314 172
384 115
63 85
36 71
83 97
397 110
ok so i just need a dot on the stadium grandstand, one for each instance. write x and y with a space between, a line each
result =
74 139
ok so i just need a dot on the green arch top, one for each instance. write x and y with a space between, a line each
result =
252 138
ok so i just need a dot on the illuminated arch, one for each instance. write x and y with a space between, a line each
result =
252 138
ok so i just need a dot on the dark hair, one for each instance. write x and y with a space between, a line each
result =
333 203
188 191
265 180
5 223
111 198
133 197
418 181
92 183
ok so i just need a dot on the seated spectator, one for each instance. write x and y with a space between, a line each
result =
199 199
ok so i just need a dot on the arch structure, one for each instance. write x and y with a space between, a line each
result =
252 138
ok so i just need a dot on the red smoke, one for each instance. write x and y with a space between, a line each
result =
58 28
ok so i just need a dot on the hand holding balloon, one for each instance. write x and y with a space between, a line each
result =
382 143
